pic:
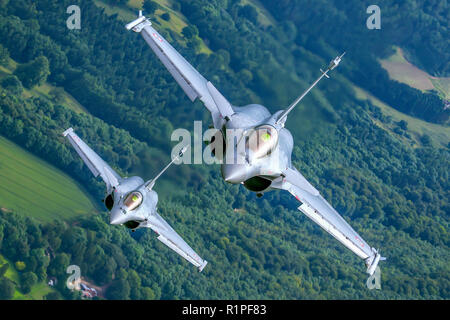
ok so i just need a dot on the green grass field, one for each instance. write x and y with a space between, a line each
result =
38 291
31 186
443 86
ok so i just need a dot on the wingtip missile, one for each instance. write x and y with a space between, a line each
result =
65 133
335 62
325 73
182 151
200 269
134 25
149 184
372 262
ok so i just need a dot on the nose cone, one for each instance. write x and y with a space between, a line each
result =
234 173
116 217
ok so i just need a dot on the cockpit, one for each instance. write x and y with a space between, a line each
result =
133 200
262 140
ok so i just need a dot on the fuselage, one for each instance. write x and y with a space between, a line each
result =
131 203
257 149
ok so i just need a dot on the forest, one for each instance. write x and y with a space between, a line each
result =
394 194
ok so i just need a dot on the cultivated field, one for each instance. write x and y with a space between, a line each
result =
31 186
403 71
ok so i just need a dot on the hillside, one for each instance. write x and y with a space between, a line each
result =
421 32
417 128
176 24
358 139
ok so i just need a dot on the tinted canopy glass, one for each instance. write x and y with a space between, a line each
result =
262 140
133 200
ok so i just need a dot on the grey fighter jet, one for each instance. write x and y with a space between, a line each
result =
257 147
132 202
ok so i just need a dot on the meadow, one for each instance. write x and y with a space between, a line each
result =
30 186
400 69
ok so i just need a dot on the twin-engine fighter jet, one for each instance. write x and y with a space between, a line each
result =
132 202
257 146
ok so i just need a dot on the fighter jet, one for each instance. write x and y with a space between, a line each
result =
132 202
257 146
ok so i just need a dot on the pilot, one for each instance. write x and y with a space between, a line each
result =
133 200
262 141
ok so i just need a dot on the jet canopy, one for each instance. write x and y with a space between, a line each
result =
133 200
262 140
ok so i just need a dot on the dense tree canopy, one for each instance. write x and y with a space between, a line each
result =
150 7
7 289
